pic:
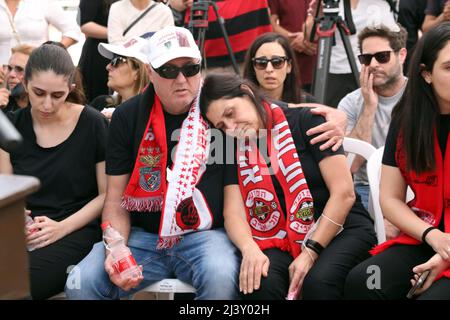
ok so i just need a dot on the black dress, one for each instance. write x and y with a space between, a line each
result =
93 65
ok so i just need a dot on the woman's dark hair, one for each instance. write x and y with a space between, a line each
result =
228 86
53 56
291 86
417 112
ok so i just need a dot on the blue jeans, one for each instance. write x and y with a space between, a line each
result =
363 190
207 260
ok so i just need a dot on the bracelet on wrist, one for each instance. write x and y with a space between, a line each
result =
314 246
425 233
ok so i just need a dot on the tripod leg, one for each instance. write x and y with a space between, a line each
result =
221 21
349 52
201 44
322 68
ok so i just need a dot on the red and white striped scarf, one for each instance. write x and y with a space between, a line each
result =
152 188
271 228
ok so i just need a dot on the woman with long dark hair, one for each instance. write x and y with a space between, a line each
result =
417 154
64 146
278 194
270 64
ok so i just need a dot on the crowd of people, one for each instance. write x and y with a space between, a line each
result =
233 182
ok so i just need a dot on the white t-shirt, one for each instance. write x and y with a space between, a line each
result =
31 23
352 104
367 13
123 13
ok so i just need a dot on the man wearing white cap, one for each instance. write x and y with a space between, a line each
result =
166 202
160 212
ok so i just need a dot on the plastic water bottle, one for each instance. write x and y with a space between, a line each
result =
29 221
123 261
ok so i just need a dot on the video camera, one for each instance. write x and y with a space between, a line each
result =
331 7
331 11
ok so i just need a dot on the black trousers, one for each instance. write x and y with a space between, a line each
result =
395 265
48 266
275 286
326 278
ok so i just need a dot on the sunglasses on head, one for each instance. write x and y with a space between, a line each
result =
262 62
17 69
117 60
381 57
171 72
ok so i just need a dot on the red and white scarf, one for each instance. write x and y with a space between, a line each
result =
271 228
152 188
431 194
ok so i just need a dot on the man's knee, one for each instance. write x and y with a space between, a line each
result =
219 279
88 279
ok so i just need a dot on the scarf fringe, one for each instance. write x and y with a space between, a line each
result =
380 248
401 239
152 204
168 242
282 244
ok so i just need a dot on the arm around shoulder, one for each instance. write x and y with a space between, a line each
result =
332 131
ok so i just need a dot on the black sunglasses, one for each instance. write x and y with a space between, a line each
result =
262 62
171 72
116 61
381 57
17 69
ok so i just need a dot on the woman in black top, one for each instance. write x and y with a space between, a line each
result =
93 22
64 146
272 264
416 154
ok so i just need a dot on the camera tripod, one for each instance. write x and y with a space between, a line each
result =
326 27
198 24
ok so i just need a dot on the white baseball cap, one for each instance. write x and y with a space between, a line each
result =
131 48
170 43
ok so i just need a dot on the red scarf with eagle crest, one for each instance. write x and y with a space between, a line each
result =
153 187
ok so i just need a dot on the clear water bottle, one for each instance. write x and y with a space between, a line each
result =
123 260
29 221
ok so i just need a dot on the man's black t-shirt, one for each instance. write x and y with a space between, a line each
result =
67 172
443 130
126 131
300 121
